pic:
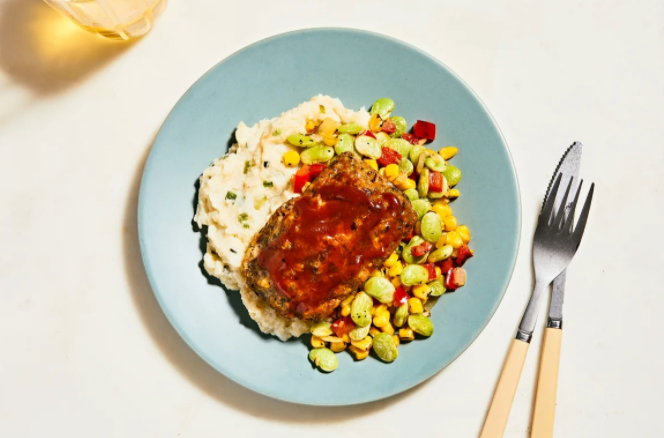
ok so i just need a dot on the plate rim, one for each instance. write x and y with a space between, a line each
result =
141 212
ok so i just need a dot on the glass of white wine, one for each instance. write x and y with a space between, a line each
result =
115 19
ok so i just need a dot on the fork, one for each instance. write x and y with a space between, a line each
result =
555 243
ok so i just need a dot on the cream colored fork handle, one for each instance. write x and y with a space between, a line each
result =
547 385
499 411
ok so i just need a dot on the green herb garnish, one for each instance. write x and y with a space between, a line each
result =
243 217
321 108
276 132
258 204
246 226
247 166
268 184
231 196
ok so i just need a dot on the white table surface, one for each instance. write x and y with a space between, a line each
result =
86 352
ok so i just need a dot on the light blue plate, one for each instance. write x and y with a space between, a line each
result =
262 81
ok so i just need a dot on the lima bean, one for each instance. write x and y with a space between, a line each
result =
322 329
437 288
383 107
414 274
421 206
368 147
405 166
400 124
432 301
435 162
324 359
432 228
408 255
345 143
382 138
350 128
440 254
420 324
401 315
384 346
400 145
317 154
436 195
453 175
423 183
360 309
412 195
300 140
359 333
415 152
380 288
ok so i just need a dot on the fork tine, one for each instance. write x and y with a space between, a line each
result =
550 200
583 218
559 220
569 224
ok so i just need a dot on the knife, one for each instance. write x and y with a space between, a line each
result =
547 381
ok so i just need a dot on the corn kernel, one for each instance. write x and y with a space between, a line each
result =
442 241
453 193
454 240
330 141
391 171
448 152
375 123
291 159
358 353
464 233
364 344
415 305
381 172
391 260
347 301
438 272
379 309
345 311
450 223
395 270
406 334
376 273
371 163
400 179
346 338
388 328
317 342
338 346
381 319
421 291
396 339
373 331
310 127
443 210
396 281
407 184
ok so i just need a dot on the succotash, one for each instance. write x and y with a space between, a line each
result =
395 303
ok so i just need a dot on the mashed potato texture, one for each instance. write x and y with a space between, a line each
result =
239 192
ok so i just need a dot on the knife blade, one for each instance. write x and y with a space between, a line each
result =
569 166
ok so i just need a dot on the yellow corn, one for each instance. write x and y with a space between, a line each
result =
442 241
454 240
379 309
421 291
381 319
373 331
395 270
406 334
345 311
338 346
443 210
375 123
450 223
330 141
415 305
346 338
317 342
391 171
384 271
396 339
358 353
376 273
453 193
291 159
464 233
371 163
448 152
396 281
347 301
381 172
438 272
407 184
391 260
310 127
388 329
364 344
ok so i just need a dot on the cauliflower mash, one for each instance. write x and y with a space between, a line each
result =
239 192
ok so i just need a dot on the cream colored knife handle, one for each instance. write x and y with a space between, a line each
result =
499 411
547 385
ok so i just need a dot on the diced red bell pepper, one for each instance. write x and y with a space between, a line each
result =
389 127
316 169
446 265
389 156
431 269
367 132
450 285
459 277
302 176
343 326
410 138
424 129
400 296
435 182
421 249
463 254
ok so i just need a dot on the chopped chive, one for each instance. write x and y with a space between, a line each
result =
258 204
276 132
247 166
268 184
243 217
233 251
231 196
266 164
246 226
